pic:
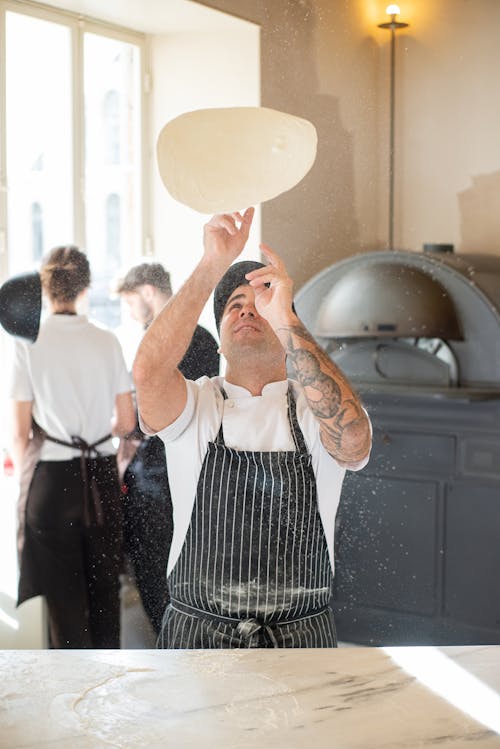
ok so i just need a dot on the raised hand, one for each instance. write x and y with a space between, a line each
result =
344 426
226 234
273 289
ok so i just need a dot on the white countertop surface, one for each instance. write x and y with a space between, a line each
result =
346 698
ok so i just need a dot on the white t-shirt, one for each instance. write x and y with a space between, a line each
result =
72 373
249 423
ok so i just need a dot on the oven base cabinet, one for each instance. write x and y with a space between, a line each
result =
417 549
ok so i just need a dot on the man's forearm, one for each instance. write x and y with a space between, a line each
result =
160 387
18 448
344 426
20 431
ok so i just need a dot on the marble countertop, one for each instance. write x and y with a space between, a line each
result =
346 698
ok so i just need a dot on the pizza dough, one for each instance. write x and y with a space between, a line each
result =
224 160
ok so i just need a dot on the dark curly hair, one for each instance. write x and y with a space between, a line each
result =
65 273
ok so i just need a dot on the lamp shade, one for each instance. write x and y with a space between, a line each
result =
21 305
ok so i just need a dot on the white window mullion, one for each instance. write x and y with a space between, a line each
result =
148 151
3 153
78 136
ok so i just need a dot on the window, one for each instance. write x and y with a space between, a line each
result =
39 138
72 145
112 164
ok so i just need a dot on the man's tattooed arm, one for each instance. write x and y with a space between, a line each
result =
344 427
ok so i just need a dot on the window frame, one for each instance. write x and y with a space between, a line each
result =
78 26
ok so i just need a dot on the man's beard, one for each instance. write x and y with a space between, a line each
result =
148 316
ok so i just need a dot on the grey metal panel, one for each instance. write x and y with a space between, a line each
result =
421 440
482 270
385 544
450 412
479 457
387 627
387 361
472 554
403 453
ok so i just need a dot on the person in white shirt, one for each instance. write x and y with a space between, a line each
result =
71 393
256 461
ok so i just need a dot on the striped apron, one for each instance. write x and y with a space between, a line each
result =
254 570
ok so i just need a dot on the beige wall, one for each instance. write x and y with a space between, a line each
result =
316 62
194 70
326 60
449 126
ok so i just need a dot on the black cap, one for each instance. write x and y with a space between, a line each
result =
232 278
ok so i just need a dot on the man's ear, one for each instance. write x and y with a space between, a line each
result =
148 292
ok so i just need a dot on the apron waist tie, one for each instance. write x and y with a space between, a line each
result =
244 627
90 488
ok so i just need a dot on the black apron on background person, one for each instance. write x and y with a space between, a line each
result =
148 525
70 543
254 569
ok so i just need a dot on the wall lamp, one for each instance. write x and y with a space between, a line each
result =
393 25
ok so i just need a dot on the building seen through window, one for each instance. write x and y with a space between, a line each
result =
54 198
112 165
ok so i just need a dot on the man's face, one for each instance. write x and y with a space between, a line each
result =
242 328
141 309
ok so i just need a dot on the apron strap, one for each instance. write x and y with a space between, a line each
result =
90 488
298 437
245 628
219 440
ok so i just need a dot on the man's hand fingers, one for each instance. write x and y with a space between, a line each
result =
262 276
246 223
229 221
223 221
248 215
271 256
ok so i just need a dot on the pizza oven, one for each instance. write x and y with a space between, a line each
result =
417 540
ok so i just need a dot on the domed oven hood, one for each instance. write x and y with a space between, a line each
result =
387 300
401 317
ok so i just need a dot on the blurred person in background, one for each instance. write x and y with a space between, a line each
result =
147 504
70 392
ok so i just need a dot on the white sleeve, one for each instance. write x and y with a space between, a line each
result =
202 413
19 386
123 380
363 463
173 430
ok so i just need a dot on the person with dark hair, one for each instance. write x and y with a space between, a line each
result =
148 522
256 460
71 393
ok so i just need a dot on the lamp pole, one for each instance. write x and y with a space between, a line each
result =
392 25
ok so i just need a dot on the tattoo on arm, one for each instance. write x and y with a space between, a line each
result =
329 396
